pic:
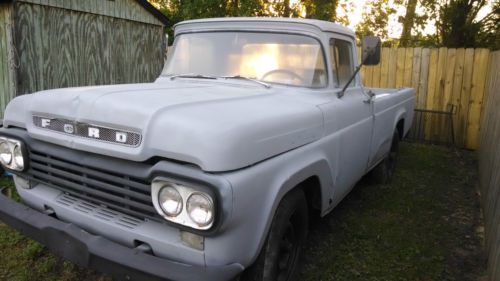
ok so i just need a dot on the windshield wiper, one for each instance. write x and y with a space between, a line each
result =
267 86
201 76
192 75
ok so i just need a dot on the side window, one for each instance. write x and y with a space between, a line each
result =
341 61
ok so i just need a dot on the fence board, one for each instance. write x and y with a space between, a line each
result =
457 86
400 65
376 75
415 76
408 67
445 105
393 56
431 91
464 100
437 101
449 76
481 59
489 162
384 68
424 76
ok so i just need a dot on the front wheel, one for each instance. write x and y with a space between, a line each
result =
279 257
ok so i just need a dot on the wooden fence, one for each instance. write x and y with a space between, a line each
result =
489 166
445 80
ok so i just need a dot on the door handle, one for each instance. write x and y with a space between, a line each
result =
371 95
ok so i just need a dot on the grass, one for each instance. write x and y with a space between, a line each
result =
424 226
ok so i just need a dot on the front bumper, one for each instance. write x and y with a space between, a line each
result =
97 252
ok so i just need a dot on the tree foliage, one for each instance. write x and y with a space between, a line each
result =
179 10
320 9
456 21
457 24
375 19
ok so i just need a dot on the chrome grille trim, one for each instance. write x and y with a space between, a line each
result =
99 212
106 134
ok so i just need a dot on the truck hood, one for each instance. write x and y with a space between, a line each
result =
216 126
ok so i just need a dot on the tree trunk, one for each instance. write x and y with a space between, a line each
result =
287 11
408 22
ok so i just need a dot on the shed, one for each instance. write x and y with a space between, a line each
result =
46 44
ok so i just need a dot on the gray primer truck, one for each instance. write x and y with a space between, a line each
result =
212 171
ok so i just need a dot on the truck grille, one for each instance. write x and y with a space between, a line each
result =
118 192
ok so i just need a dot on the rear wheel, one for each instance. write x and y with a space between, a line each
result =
279 257
384 171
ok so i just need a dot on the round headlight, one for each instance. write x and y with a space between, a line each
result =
170 201
5 153
18 157
200 209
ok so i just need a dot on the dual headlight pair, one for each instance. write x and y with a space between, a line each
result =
183 205
11 154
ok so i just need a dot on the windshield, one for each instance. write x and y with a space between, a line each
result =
270 57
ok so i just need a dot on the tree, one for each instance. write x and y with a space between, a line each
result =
489 36
376 18
458 24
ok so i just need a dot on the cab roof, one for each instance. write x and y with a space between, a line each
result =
318 24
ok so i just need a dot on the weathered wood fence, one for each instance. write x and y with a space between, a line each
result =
489 166
445 80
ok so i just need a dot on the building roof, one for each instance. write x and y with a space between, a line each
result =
95 8
320 24
155 12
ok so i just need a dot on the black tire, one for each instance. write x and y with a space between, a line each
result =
280 255
384 171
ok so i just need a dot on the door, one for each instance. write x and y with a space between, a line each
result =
348 121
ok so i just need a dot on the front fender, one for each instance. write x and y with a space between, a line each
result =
257 192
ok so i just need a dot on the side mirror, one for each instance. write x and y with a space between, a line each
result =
371 50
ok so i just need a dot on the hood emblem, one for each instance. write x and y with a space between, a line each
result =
89 131
69 128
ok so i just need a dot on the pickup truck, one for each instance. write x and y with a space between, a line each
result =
212 171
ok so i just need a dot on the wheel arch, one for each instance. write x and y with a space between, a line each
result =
400 127
315 181
400 122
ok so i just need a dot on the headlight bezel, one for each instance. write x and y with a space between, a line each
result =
13 143
183 220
